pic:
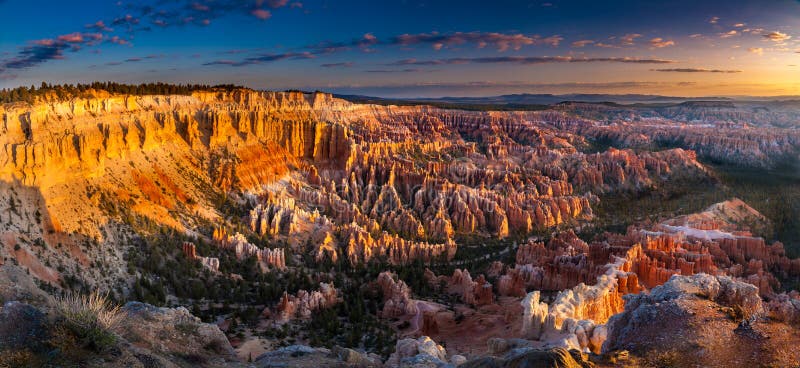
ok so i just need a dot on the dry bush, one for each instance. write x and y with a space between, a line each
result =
18 358
91 318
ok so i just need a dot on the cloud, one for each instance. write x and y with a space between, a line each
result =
338 65
499 41
728 34
659 42
695 70
629 39
739 25
35 54
127 20
261 14
411 70
438 41
756 50
40 51
134 59
265 58
777 36
482 88
713 20
78 37
137 16
99 26
606 45
327 47
277 3
582 43
119 41
200 7
201 12
529 60
307 52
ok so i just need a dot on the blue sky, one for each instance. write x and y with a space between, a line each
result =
410 48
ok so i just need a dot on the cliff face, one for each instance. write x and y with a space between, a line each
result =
43 142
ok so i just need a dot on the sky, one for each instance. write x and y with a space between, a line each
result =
410 48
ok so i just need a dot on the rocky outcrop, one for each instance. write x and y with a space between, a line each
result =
478 292
242 248
304 303
307 356
174 331
396 296
361 246
148 336
190 250
421 352
576 316
785 307
734 332
22 327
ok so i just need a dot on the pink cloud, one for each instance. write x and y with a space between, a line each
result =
75 37
44 42
119 41
261 14
200 7
277 3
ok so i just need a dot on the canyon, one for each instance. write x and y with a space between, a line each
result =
466 235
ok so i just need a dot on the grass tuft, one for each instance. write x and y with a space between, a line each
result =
92 319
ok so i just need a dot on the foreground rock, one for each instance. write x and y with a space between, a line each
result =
175 331
306 356
420 353
149 337
534 358
701 320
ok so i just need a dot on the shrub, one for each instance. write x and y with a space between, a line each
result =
91 318
18 358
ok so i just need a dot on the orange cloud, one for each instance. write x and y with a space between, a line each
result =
659 42
777 36
582 43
